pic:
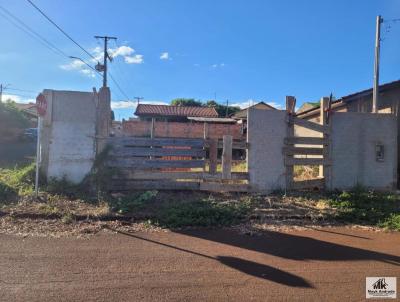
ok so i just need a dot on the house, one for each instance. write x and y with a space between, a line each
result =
29 110
242 114
146 112
388 102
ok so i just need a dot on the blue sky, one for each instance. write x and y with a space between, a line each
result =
242 51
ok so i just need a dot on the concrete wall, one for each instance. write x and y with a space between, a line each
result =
266 132
354 138
68 134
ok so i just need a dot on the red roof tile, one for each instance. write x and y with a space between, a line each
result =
166 110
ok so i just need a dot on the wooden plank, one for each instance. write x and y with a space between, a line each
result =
133 151
222 187
213 153
302 151
227 157
309 184
307 161
154 175
310 125
154 185
154 163
236 144
306 141
156 142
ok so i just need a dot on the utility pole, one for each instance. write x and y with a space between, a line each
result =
227 107
375 94
106 56
2 88
138 98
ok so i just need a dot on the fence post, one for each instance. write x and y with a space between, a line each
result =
322 120
227 157
290 108
324 171
213 151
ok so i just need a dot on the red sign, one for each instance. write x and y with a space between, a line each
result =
41 104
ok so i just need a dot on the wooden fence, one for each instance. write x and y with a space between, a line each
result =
298 147
174 164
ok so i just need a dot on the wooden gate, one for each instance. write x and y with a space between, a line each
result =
308 150
173 164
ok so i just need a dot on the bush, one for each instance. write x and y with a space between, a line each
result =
367 207
131 203
17 181
203 213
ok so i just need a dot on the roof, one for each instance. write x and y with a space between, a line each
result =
213 120
29 108
243 113
349 98
176 111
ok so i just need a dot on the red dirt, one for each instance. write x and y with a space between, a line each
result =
327 264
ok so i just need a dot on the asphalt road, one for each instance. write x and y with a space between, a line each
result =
312 265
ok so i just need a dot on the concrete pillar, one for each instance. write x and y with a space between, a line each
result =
265 161
103 121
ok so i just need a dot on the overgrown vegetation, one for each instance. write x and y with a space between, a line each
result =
11 119
367 207
16 182
305 172
205 213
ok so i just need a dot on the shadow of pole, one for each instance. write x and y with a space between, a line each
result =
251 268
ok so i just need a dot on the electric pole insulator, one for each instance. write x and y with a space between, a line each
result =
99 67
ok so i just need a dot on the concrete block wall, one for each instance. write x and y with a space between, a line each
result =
68 141
266 131
353 150
183 130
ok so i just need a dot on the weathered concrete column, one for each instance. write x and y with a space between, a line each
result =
266 131
103 121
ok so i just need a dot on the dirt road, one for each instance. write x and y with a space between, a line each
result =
329 264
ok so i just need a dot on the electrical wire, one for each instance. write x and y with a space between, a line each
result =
29 31
61 30
22 90
119 87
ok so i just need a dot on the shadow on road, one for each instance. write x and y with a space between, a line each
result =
292 247
245 266
278 244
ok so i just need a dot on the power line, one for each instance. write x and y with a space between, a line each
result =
22 90
61 30
29 31
116 84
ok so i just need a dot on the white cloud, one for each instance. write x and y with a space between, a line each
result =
133 104
220 65
18 99
164 56
79 66
136 59
121 51
124 51
276 105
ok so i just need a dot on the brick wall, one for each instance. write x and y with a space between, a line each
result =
183 130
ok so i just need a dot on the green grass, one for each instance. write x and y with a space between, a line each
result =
16 182
205 213
367 207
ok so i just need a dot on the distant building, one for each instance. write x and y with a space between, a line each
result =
146 112
29 111
242 114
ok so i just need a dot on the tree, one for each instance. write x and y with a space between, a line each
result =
222 110
186 102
